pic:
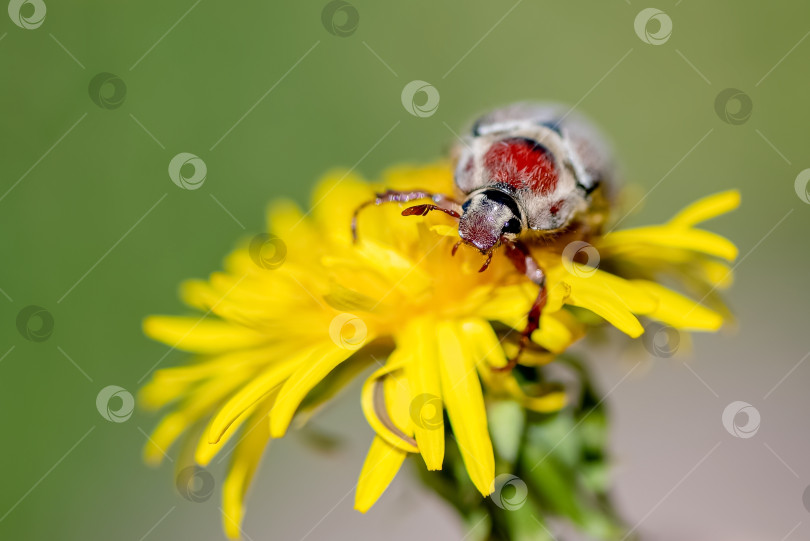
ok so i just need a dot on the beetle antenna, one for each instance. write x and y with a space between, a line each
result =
455 248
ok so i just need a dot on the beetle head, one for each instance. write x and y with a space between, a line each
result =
490 215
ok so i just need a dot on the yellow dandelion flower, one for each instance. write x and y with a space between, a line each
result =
288 321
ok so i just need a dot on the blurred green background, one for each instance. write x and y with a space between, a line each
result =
95 232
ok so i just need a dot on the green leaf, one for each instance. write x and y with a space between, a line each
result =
506 421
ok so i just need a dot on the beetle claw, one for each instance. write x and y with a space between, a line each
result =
487 262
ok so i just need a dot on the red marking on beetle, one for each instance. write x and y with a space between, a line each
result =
556 206
522 163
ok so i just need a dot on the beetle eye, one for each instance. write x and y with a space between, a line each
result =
465 205
512 226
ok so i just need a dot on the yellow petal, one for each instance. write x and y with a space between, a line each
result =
556 295
200 335
548 402
258 388
437 177
313 368
482 343
707 208
247 360
558 331
445 230
246 456
286 221
196 293
157 394
173 425
335 199
376 403
508 302
422 371
381 466
461 391
513 302
673 237
679 311
716 273
333 384
615 314
398 400
163 436
558 328
613 298
611 286
398 269
205 451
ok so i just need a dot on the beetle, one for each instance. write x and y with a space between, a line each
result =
524 173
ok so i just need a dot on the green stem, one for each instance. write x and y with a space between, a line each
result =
549 469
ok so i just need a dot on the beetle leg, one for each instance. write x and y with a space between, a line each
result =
487 262
393 196
523 261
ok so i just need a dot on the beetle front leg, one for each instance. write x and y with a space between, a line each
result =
523 261
392 196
